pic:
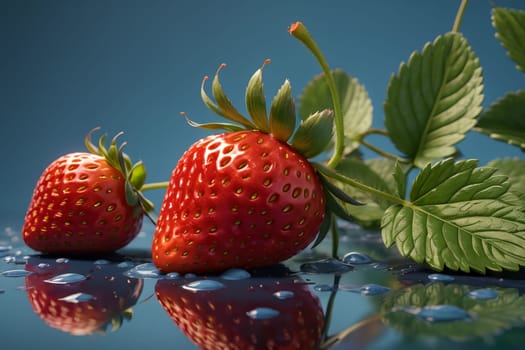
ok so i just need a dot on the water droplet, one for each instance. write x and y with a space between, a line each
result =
262 313
16 273
190 275
43 265
101 262
326 266
283 294
147 270
439 313
235 274
4 250
439 277
372 289
62 260
66 278
356 258
125 265
203 285
77 298
323 288
9 259
483 294
173 275
2 291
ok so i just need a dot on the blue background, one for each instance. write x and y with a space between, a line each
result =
68 66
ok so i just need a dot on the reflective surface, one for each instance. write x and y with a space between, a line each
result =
371 299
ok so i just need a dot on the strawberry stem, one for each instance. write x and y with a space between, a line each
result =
155 186
459 16
299 31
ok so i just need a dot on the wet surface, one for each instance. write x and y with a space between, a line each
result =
370 299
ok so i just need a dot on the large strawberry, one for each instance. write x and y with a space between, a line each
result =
87 203
246 198
100 301
278 312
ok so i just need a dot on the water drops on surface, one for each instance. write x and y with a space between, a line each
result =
62 260
372 289
16 273
101 262
173 275
439 313
146 270
9 259
283 294
323 288
43 265
66 278
190 275
77 298
326 266
5 249
126 265
203 285
235 274
483 294
440 277
262 313
356 258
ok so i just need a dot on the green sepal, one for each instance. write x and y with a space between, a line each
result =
337 192
256 102
313 134
333 205
282 113
225 105
131 195
137 175
323 230
214 126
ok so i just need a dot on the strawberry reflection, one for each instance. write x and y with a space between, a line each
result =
259 312
81 297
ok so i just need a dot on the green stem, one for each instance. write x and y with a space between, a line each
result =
382 153
374 191
299 31
459 16
329 308
155 186
335 238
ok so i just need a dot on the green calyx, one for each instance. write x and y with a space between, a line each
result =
310 138
134 173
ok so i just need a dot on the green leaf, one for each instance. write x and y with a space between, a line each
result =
459 217
400 177
487 318
504 120
510 27
355 104
256 101
514 168
432 101
313 134
282 113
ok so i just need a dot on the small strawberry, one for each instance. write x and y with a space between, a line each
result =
248 314
247 198
87 203
103 299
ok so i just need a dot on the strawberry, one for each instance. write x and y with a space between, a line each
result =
226 318
246 198
87 203
104 298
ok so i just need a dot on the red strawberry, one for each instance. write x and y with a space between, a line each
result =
224 318
87 203
245 198
108 295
